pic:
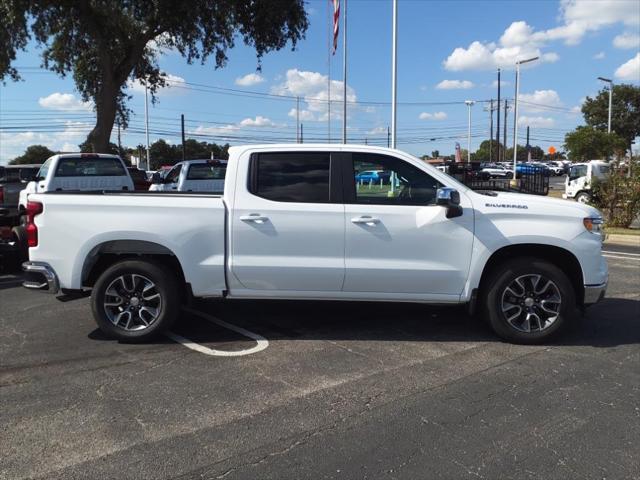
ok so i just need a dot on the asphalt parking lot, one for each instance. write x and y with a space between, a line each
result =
320 390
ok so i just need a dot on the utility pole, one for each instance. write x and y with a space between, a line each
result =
184 151
146 123
297 119
119 143
504 135
528 146
344 74
610 82
388 137
515 112
469 104
498 119
394 74
490 110
301 133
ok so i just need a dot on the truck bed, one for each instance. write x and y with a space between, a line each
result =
191 226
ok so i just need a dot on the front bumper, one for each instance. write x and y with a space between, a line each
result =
40 276
594 293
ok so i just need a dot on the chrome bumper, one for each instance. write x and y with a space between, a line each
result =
594 293
40 276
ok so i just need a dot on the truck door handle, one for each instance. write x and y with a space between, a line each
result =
365 219
254 217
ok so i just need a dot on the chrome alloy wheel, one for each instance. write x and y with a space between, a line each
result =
132 302
531 303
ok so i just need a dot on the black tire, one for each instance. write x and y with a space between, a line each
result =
583 197
165 284
524 269
20 237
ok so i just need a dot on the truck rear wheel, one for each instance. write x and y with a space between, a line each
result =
135 300
529 300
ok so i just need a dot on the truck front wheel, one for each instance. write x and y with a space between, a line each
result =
135 300
583 197
529 300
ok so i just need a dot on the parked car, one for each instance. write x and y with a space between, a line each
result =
579 180
497 171
373 176
139 179
78 172
192 176
557 167
292 224
12 180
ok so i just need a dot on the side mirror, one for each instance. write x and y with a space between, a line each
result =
155 178
450 198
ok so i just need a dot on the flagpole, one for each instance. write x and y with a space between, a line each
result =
329 36
394 74
344 75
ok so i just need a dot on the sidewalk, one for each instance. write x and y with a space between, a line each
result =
627 240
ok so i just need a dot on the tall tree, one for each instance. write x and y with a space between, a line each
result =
588 143
105 43
625 116
35 154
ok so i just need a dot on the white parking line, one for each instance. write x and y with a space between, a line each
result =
621 253
261 342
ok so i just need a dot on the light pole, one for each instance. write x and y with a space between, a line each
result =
515 113
394 74
610 82
469 104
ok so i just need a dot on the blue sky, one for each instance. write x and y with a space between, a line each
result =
448 52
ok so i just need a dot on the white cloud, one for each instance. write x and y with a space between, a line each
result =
258 121
312 89
432 116
377 131
64 102
536 122
599 56
520 41
538 100
175 85
627 40
454 85
67 139
630 70
249 80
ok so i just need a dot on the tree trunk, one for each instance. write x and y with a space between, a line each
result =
106 107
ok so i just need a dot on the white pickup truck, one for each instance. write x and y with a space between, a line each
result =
192 176
294 224
78 171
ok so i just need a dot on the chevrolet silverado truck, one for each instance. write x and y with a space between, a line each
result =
293 223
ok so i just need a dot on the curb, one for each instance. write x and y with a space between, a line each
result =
627 240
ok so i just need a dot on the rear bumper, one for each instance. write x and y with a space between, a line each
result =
40 276
594 293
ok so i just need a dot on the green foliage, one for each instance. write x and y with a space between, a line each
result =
105 43
35 154
618 197
435 154
86 147
162 153
482 154
625 112
588 143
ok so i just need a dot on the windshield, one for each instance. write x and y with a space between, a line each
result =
89 167
578 171
207 171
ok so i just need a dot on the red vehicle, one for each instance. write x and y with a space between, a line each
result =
139 177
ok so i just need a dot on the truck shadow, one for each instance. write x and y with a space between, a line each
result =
613 322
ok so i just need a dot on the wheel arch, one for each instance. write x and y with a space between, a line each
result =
106 254
558 256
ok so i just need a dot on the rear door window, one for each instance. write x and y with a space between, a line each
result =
292 177
207 171
89 167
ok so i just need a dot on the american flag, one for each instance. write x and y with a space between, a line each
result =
336 24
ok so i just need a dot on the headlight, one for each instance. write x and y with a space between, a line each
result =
593 224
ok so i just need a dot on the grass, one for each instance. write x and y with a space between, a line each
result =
622 231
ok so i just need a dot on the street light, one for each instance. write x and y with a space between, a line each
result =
515 119
610 82
469 104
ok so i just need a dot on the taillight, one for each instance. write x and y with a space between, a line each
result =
1 194
33 209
